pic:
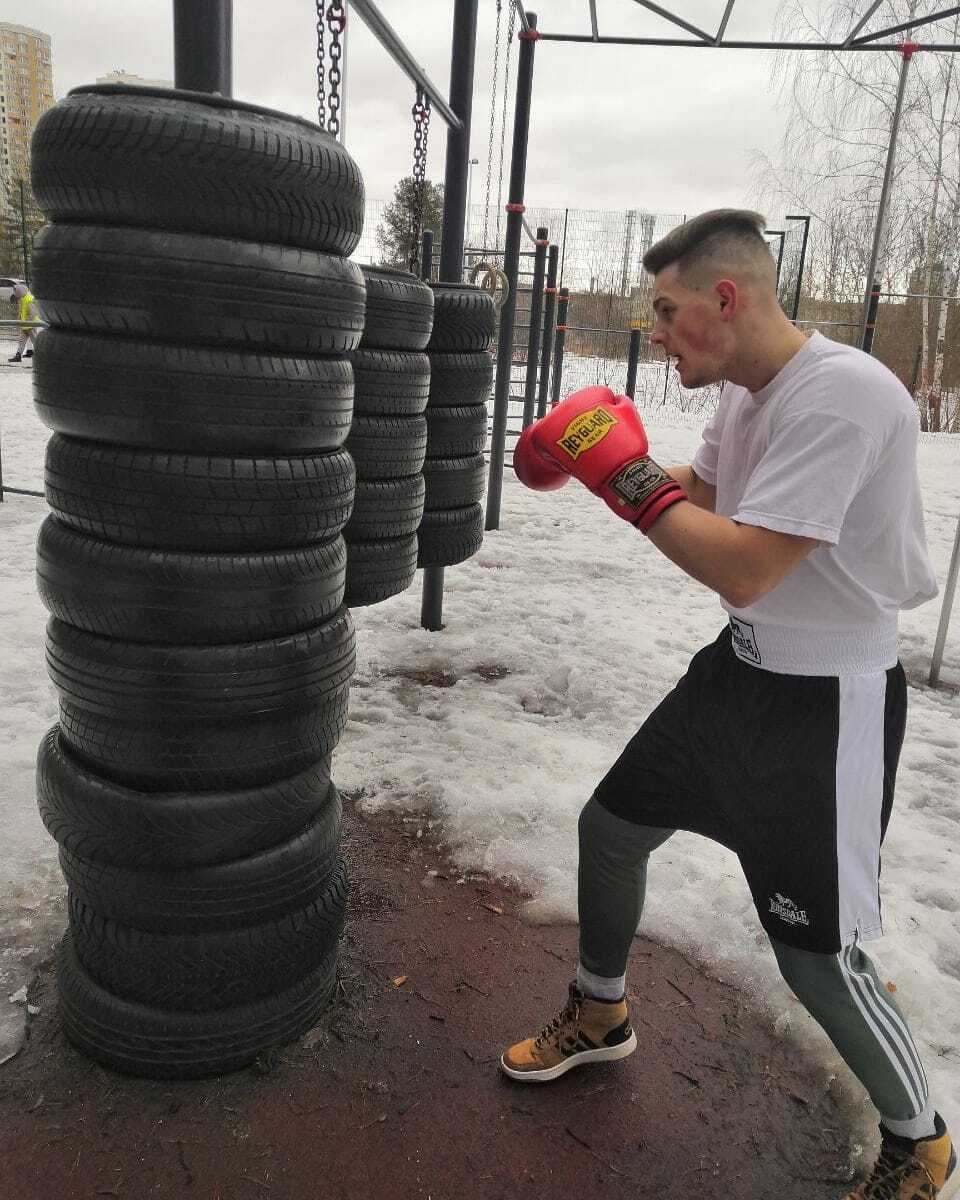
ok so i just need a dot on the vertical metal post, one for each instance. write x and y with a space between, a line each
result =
426 256
549 313
633 358
803 259
511 261
536 316
23 234
866 337
945 610
458 141
462 54
906 51
559 340
203 45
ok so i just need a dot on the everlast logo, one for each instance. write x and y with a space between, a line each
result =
585 431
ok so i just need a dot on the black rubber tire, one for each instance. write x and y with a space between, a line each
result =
390 383
453 482
96 819
209 755
460 379
171 501
378 570
399 310
135 682
156 1044
190 288
456 432
173 598
388 447
122 155
464 318
447 537
190 398
386 508
201 972
229 895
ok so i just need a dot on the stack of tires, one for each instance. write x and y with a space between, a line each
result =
461 375
388 438
197 379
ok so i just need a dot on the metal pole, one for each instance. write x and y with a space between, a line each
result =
549 313
511 260
803 259
536 329
426 256
559 340
906 52
462 55
866 336
203 46
945 610
633 358
23 234
458 140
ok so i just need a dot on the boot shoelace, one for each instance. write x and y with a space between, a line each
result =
569 1012
889 1173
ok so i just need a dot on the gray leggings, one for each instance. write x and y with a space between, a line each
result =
840 991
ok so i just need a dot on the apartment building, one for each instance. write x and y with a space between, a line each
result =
26 92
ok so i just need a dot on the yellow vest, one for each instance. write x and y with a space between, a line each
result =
26 303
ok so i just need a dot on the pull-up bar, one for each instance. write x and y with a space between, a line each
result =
385 34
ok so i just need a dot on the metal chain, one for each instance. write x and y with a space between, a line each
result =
336 22
503 123
321 81
421 127
493 121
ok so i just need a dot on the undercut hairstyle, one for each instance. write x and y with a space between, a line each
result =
724 241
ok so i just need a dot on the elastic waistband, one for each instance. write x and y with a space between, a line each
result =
788 650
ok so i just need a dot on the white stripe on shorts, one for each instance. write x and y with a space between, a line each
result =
859 792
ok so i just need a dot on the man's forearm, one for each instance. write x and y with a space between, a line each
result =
699 493
739 562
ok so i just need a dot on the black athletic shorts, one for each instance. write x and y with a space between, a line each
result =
794 773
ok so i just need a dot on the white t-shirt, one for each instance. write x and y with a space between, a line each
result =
827 450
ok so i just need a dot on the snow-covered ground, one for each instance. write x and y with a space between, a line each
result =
563 632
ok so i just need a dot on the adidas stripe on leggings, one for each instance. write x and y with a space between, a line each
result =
841 991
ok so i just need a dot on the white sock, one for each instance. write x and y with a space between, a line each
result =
922 1126
601 987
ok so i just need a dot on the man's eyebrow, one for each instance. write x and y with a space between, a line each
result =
661 300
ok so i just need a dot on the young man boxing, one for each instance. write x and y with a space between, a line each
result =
802 511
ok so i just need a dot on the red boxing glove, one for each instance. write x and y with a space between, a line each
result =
598 437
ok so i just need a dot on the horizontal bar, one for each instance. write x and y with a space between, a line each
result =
939 47
20 491
388 38
24 324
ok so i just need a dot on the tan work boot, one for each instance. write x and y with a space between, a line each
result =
921 1170
584 1031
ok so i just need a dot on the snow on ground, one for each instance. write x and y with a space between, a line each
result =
563 632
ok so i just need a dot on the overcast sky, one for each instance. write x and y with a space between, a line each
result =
669 130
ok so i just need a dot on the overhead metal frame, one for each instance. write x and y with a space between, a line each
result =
855 40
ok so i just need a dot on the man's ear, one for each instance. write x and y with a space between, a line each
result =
728 296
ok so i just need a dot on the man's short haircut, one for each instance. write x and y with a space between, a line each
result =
722 241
